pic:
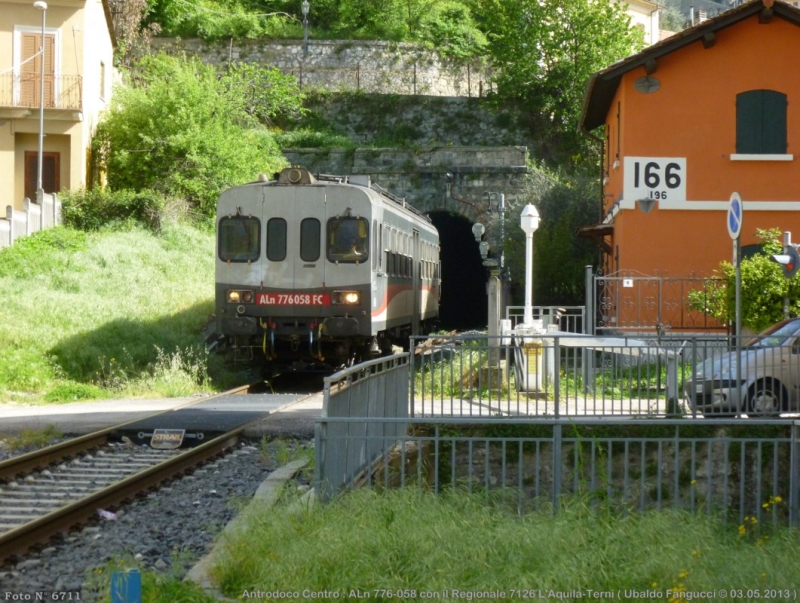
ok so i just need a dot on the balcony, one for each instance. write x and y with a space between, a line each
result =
20 94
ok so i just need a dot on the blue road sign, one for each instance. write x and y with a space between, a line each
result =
735 213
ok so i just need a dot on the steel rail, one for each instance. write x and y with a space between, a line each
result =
41 529
41 459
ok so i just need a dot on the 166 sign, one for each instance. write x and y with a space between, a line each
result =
658 178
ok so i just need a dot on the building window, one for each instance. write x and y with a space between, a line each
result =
761 122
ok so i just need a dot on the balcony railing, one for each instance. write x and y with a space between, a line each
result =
22 90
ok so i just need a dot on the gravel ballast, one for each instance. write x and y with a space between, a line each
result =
167 530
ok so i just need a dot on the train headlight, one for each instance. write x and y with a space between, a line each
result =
235 297
345 297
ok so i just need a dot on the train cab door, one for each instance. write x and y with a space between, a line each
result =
416 283
294 224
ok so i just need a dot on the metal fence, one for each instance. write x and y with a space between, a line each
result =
23 90
35 217
631 302
570 319
370 391
612 418
717 468
559 374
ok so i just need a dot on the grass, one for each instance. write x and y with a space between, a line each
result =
410 540
36 438
107 314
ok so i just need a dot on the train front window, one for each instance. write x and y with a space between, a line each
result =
309 240
276 239
239 239
348 240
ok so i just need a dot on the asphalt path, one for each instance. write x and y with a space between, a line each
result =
284 414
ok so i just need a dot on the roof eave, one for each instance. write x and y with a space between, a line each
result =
603 84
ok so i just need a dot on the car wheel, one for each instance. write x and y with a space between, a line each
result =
766 398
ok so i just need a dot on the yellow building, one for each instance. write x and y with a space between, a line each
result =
78 49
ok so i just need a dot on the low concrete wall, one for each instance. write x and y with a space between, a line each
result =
46 213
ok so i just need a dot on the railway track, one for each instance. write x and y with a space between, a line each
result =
47 492
73 480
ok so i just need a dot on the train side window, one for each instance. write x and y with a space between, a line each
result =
376 245
239 239
310 240
381 265
276 239
348 240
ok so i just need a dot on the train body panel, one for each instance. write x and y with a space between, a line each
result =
322 270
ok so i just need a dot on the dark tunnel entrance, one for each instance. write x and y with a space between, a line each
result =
464 304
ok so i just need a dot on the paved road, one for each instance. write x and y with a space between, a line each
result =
289 416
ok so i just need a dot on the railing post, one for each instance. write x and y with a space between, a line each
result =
556 466
411 373
557 374
588 326
794 476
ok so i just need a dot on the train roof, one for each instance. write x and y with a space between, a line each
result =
300 176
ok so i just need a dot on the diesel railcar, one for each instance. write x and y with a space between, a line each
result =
322 271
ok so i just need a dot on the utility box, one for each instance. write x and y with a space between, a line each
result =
530 358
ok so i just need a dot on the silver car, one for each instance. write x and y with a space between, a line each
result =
766 383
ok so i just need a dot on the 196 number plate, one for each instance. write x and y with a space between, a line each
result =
293 299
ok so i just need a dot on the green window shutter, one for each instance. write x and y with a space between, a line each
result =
761 122
773 119
748 122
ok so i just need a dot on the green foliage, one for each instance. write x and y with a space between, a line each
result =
265 94
185 130
411 540
449 28
671 18
71 392
763 288
217 19
32 438
34 254
380 19
95 209
565 201
545 51
311 139
446 25
117 313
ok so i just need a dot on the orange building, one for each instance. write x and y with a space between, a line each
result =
685 123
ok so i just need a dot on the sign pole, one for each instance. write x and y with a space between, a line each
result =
734 223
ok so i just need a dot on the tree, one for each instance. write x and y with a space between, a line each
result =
544 52
763 288
186 130
129 26
564 202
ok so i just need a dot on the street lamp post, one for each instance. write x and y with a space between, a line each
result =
529 220
42 6
304 8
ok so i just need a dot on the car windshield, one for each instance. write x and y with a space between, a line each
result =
775 335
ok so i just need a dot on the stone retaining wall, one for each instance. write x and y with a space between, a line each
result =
421 175
336 65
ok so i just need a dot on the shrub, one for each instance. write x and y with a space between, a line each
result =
308 139
32 254
95 209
